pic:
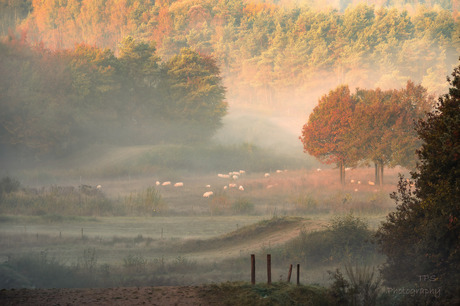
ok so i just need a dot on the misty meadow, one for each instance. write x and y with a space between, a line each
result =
166 145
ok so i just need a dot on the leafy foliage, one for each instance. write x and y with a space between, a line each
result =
269 51
53 101
347 239
368 126
422 236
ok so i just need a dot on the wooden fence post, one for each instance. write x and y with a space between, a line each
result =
269 269
289 274
298 274
253 269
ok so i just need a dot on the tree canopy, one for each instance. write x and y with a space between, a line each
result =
272 53
51 101
422 237
367 126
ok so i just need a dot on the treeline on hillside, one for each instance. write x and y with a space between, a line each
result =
52 101
368 126
272 54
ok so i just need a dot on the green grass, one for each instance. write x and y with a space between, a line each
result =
238 293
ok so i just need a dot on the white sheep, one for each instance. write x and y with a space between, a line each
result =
371 183
242 172
232 185
235 177
225 187
352 181
99 187
208 186
241 188
157 183
279 171
207 194
166 183
179 184
223 175
267 175
318 170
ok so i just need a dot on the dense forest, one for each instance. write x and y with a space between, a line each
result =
137 65
54 101
271 53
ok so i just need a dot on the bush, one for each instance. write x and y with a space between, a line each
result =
305 203
346 238
8 185
361 287
148 201
242 206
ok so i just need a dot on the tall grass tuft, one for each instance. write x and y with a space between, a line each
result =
148 201
57 200
360 287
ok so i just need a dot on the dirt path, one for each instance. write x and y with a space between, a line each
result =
256 243
186 295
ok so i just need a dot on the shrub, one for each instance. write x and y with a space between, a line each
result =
242 206
361 287
8 185
305 203
148 201
346 238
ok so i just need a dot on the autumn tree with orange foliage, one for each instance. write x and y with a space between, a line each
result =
367 126
325 134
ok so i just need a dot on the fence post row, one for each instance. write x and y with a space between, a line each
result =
269 270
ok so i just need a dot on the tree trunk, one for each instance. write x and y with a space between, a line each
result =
342 173
377 173
381 174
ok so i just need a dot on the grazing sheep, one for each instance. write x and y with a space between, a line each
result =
223 175
235 177
157 183
270 186
359 182
231 185
179 184
166 183
267 175
279 171
318 170
207 194
208 186
241 188
242 172
352 181
356 190
99 187
371 183
225 187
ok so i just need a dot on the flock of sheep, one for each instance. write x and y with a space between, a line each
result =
233 176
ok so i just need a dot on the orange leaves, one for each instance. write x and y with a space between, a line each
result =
253 9
324 134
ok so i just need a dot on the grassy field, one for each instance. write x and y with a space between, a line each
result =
134 231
